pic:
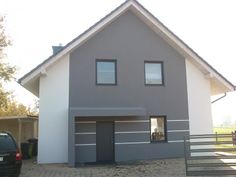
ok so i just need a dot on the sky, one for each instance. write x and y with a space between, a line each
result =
207 26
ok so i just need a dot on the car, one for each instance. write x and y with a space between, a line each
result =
10 156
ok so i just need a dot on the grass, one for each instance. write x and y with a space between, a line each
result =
224 130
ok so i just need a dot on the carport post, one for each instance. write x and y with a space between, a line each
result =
19 131
34 128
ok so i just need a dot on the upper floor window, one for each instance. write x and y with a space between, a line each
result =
158 128
154 73
106 72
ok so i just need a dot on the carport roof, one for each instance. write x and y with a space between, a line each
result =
19 117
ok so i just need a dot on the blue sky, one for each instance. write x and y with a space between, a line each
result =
208 27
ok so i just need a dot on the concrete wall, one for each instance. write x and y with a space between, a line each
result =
199 94
53 116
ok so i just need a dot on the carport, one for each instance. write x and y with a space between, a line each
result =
21 127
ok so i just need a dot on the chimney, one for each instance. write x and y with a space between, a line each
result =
56 49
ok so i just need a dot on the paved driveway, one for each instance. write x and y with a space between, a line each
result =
161 168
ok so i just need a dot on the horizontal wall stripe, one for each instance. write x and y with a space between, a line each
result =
85 139
85 127
85 144
145 142
176 141
179 125
181 120
85 133
134 126
130 121
85 122
172 131
132 132
132 137
85 154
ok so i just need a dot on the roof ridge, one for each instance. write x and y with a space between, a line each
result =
111 16
70 42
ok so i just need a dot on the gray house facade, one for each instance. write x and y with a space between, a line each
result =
130 44
125 89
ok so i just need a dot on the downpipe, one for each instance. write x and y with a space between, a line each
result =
218 98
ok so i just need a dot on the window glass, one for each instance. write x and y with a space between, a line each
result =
153 73
6 143
106 72
158 132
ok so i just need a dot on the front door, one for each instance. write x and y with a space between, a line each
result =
105 141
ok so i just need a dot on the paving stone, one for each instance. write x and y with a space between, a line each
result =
148 168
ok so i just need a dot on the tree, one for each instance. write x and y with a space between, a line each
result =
6 71
14 108
8 105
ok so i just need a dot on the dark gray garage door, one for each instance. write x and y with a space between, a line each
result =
105 141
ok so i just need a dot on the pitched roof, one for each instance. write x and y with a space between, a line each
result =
31 80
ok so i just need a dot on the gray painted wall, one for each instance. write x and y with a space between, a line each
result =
131 42
85 153
85 150
148 151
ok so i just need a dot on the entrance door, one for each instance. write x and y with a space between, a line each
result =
105 141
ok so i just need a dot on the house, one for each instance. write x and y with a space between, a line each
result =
125 89
21 127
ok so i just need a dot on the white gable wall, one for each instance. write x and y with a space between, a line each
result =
53 116
199 94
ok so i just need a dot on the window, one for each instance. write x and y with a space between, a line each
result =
6 143
106 72
158 129
153 73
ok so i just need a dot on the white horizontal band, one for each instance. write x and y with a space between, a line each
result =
132 132
171 131
130 121
85 144
181 120
85 133
127 143
145 142
85 122
176 141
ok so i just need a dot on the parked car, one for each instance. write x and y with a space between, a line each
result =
10 156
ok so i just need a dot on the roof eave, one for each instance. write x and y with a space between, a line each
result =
183 48
78 41
150 20
32 86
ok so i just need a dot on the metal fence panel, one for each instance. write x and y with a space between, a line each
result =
210 154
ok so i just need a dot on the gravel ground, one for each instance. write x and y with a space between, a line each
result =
161 168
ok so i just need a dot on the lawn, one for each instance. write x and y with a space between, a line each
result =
224 130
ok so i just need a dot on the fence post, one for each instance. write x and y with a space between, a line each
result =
216 137
185 155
